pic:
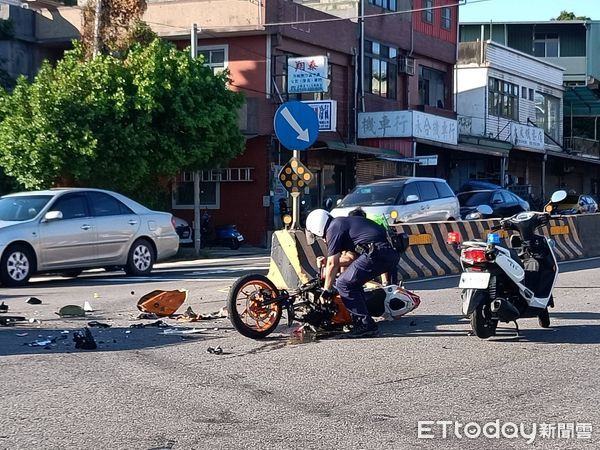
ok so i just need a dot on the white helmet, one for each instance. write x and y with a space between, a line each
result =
316 222
399 303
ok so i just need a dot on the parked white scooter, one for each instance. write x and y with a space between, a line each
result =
506 284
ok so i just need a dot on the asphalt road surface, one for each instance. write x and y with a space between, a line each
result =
415 386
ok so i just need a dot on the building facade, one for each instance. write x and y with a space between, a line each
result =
573 159
378 56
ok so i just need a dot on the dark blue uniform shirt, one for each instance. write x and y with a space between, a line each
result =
345 233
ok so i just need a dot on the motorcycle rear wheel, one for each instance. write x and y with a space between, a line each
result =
247 311
482 323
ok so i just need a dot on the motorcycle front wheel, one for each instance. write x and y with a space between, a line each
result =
247 309
482 323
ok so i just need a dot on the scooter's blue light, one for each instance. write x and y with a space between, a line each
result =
493 238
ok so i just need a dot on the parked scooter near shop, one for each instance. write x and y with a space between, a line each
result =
506 284
227 235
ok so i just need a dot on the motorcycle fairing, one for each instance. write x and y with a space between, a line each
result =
509 266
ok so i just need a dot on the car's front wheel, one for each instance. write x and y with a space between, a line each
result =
141 258
16 265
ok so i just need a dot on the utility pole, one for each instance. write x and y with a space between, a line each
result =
197 218
96 49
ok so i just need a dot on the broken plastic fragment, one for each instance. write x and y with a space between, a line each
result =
162 303
95 323
7 321
84 340
33 301
71 311
215 350
3 308
87 307
41 342
188 316
183 331
147 316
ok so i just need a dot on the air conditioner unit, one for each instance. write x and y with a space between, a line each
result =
406 65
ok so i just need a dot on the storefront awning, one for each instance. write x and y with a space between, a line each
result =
574 157
483 150
381 153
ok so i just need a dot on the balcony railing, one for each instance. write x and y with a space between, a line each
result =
588 148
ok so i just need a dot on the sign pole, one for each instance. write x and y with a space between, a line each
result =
295 200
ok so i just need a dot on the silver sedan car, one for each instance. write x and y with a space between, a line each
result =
68 230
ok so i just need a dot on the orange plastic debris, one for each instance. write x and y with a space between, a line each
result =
162 303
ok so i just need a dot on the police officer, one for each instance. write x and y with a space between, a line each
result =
376 256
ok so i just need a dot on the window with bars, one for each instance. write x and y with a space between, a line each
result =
215 57
503 99
210 186
381 69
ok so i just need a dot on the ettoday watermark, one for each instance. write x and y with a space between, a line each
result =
496 429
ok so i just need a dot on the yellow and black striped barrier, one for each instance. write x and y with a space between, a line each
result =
293 260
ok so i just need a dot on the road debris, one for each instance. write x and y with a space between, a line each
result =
33 301
158 323
3 308
21 334
190 316
84 340
8 321
147 316
87 307
96 324
215 350
162 303
184 331
34 320
45 343
71 311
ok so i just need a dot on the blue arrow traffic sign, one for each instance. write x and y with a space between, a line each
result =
296 125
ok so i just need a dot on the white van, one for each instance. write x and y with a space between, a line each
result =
404 199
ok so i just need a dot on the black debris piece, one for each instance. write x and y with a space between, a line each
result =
96 324
157 324
3 308
215 350
33 301
147 316
7 321
84 340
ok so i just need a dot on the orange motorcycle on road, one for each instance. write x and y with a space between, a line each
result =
256 306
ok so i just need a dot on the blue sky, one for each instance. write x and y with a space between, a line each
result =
525 10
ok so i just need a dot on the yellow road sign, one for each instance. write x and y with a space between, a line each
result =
295 176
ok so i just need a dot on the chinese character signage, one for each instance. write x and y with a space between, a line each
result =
407 124
326 113
307 74
526 136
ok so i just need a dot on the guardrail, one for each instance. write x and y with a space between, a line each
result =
293 259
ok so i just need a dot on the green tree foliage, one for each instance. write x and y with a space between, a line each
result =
121 123
568 15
